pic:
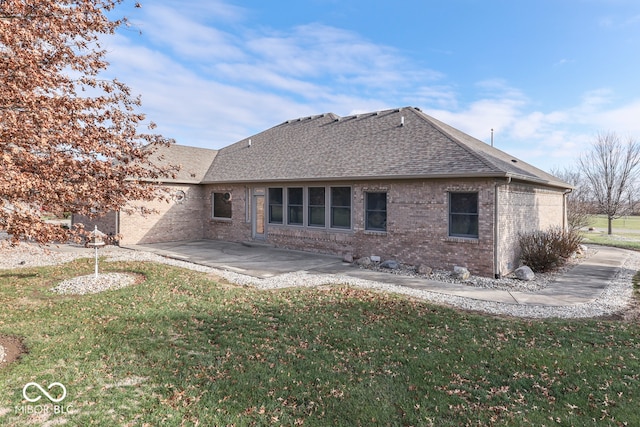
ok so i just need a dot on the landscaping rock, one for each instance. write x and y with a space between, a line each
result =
425 270
461 273
524 273
348 257
364 261
390 264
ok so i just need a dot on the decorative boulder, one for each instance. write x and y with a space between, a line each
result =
390 264
424 269
364 261
348 257
525 273
461 273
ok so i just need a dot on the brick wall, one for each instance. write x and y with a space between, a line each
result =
523 208
238 228
417 224
178 219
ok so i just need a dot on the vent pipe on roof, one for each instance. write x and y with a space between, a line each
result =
402 121
492 137
249 144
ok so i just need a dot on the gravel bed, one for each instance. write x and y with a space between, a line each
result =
27 255
507 283
614 298
91 284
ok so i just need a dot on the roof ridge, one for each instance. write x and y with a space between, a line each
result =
313 117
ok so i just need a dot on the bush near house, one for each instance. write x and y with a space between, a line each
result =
545 250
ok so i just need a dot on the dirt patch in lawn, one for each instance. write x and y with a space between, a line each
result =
11 348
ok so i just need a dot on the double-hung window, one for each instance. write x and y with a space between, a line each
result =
314 207
317 207
376 211
463 215
276 206
341 207
295 206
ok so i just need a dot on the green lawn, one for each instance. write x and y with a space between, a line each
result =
626 232
182 349
630 223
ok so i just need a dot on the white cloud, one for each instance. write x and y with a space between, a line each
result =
211 87
623 120
223 80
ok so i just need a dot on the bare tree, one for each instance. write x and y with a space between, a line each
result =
69 139
610 169
579 207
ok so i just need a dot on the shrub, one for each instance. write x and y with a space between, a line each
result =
548 250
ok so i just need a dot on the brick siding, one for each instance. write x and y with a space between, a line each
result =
175 220
523 208
417 222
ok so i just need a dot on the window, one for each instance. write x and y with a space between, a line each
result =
295 207
275 205
222 205
341 207
376 211
463 215
316 207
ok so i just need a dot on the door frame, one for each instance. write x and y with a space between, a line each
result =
258 201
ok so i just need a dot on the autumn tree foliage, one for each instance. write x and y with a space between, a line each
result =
70 140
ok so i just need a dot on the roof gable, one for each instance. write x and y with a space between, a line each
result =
392 144
193 162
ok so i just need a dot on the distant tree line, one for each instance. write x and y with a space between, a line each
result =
605 180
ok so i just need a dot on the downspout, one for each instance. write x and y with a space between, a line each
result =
496 228
565 221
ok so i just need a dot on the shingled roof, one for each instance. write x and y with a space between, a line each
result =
391 144
193 162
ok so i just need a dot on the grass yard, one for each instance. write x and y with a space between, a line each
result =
181 349
629 223
615 240
626 232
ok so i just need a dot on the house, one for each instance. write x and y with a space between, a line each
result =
398 184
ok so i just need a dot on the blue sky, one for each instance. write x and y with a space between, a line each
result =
546 75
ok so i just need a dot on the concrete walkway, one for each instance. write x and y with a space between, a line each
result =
582 284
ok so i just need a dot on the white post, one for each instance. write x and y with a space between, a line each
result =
96 249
